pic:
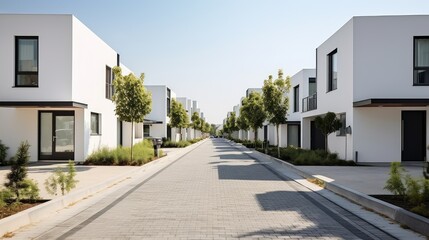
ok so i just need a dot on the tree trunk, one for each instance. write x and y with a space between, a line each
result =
278 141
255 133
132 138
180 134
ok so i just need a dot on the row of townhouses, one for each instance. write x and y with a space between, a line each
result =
374 74
56 90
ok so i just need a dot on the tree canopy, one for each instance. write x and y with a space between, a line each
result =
178 116
252 109
276 102
327 125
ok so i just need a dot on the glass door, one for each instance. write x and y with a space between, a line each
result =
56 135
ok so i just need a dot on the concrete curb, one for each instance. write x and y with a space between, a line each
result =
412 220
44 210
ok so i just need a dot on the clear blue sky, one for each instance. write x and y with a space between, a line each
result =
212 51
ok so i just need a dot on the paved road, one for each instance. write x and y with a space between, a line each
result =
215 192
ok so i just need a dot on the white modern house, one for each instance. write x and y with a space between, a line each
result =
374 74
158 121
56 88
303 84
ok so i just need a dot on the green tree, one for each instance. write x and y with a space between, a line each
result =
327 125
395 184
132 101
178 116
18 173
232 123
252 109
242 123
276 103
195 119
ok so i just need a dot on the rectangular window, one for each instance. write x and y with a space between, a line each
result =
312 87
293 135
95 124
421 60
26 61
168 101
146 131
342 130
332 70
296 99
109 84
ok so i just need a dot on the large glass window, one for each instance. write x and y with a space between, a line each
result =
312 87
95 123
27 61
332 70
421 61
109 84
296 99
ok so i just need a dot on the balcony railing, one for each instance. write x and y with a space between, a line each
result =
309 103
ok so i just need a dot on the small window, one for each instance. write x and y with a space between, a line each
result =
109 84
95 124
168 101
26 61
332 70
312 87
342 130
421 61
146 131
296 99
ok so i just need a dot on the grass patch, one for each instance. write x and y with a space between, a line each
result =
142 153
179 144
306 157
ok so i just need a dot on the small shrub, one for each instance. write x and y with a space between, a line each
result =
421 209
30 191
394 184
412 191
3 153
59 179
18 170
179 144
5 196
425 190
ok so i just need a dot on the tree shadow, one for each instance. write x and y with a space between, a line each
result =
253 172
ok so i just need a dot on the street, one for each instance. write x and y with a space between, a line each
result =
215 192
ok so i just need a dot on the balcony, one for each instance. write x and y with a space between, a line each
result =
309 103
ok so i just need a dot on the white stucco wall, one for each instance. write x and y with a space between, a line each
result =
55 61
383 56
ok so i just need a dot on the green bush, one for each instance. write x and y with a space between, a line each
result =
64 181
179 144
413 191
394 184
29 191
142 153
3 153
5 196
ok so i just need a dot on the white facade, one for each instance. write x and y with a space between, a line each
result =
71 72
162 96
375 88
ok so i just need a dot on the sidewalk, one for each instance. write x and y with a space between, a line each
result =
369 180
87 175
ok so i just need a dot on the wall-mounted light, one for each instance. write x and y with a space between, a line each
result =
349 130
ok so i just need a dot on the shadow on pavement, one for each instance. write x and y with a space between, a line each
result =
248 172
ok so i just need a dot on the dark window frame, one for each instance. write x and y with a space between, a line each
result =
98 130
168 101
145 126
330 71
296 98
109 83
415 68
17 72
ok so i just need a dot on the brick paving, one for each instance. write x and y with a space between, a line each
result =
215 192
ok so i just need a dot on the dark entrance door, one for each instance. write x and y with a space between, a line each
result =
317 139
56 135
413 135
